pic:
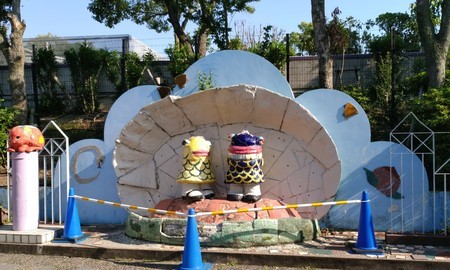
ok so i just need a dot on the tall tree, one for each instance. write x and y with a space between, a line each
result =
404 28
216 16
303 40
12 29
161 15
434 36
322 43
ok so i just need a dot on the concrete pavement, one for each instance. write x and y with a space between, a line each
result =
331 251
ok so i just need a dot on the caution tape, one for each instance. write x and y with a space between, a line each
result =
134 207
220 212
268 208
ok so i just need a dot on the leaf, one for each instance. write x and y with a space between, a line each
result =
371 178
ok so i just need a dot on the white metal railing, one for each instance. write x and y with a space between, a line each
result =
53 150
422 144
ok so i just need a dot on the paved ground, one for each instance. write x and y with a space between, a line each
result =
44 262
110 248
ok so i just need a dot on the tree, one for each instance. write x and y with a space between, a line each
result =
48 82
402 25
161 15
304 40
322 43
272 47
12 48
268 42
85 64
435 37
216 16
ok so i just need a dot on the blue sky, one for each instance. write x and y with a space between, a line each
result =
71 17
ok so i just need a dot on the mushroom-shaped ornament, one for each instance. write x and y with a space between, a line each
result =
245 161
196 175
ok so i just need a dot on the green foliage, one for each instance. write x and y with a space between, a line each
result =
113 68
416 84
342 39
180 59
154 14
214 17
7 121
85 64
359 95
210 17
433 108
134 66
48 83
205 81
303 41
406 34
236 44
272 48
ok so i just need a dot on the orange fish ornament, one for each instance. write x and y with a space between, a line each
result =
25 139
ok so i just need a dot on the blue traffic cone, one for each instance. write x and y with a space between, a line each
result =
72 227
192 257
366 242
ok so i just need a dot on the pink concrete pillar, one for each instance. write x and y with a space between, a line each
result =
25 186
23 143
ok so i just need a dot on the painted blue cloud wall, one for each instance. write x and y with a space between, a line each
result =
367 165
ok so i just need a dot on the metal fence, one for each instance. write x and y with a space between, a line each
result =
350 69
107 93
431 193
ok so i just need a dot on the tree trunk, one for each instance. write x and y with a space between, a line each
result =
435 45
15 57
202 45
178 28
322 43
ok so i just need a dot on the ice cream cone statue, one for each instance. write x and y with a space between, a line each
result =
196 175
245 161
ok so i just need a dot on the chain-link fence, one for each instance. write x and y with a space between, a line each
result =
107 91
302 73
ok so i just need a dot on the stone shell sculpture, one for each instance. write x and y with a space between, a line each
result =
245 163
25 139
301 164
196 174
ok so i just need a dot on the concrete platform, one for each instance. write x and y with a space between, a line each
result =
43 234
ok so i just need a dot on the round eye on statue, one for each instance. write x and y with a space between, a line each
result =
17 137
186 141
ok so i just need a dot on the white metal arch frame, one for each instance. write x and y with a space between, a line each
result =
422 144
